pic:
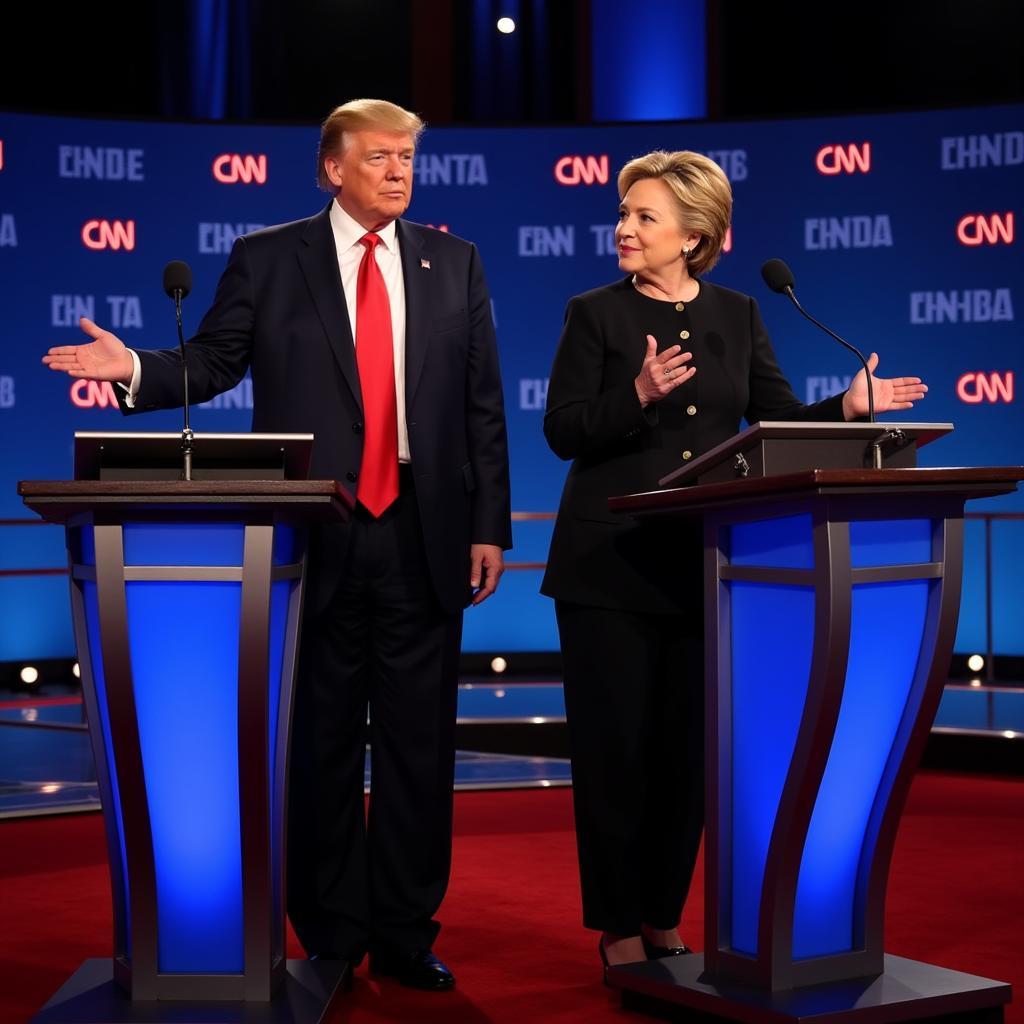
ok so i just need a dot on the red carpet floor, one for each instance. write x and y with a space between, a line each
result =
511 920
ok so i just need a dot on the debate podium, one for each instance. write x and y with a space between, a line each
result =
831 600
187 599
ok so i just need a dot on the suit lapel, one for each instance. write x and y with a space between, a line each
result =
416 273
318 258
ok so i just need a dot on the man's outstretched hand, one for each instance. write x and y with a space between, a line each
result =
104 358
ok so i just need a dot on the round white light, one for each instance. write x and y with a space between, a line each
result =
76 671
499 693
975 682
29 675
506 26
498 664
975 662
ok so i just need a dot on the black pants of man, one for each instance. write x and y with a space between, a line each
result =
359 881
634 707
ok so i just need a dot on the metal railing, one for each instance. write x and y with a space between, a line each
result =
988 518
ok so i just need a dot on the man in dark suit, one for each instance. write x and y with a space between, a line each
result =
375 334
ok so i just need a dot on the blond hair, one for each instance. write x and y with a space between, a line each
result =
702 193
361 115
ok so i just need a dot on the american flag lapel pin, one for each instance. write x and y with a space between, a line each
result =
425 264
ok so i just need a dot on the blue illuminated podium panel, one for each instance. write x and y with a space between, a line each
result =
186 600
831 599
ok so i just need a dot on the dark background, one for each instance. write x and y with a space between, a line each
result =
291 62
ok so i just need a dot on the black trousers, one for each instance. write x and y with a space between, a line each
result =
385 645
634 697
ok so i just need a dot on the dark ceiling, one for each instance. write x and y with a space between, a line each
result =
292 62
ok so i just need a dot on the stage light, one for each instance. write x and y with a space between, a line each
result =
975 662
538 721
506 26
545 783
1010 734
499 693
50 787
29 675
975 682
498 664
76 671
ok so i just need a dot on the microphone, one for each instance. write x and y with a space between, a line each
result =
776 275
177 285
779 278
177 279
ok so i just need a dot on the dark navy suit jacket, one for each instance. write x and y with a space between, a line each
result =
280 309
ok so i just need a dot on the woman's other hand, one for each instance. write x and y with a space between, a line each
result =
663 372
890 392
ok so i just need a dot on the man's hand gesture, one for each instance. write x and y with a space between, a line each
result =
104 358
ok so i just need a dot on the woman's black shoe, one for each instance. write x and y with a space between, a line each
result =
661 952
604 961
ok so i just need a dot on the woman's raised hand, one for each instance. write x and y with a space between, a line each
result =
662 372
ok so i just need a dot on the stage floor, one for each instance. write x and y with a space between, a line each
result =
46 762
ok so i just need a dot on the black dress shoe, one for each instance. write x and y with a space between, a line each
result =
661 952
604 961
603 953
418 969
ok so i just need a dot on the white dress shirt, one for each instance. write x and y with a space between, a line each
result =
347 233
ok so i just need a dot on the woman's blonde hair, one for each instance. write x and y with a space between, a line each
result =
702 193
361 115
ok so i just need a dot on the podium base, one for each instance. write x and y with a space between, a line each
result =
908 990
90 996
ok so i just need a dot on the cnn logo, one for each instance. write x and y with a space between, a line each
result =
848 159
582 170
93 394
109 234
975 388
985 229
232 168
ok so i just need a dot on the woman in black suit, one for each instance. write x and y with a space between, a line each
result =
650 372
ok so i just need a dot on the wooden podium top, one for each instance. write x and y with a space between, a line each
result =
59 501
969 482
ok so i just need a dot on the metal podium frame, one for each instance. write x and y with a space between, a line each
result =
266 521
768 976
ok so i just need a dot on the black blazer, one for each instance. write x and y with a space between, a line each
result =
280 309
594 418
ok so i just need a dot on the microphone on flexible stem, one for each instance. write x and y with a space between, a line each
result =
779 278
177 284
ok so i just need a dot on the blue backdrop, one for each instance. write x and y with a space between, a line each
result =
900 229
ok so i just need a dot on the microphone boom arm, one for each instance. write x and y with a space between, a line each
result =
876 446
186 433
856 351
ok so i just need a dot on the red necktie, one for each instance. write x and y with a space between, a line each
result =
375 359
